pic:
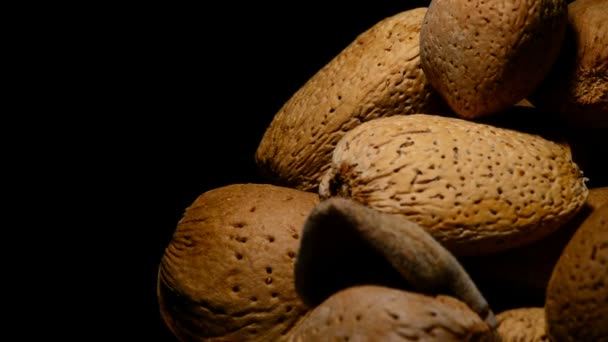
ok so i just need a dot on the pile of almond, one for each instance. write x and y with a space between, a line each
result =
428 159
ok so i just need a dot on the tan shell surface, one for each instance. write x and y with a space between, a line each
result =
577 296
476 188
529 267
374 313
577 86
522 325
485 56
377 75
227 273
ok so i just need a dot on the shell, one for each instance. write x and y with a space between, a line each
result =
227 273
485 56
522 325
577 296
374 313
476 188
377 75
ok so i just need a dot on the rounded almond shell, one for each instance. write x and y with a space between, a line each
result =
227 273
485 56
476 188
375 313
376 75
577 296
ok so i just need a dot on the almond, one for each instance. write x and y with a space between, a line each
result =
577 296
377 75
375 313
478 189
227 273
485 56
522 325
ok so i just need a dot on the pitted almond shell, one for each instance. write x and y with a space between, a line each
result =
375 313
522 325
377 75
478 189
577 296
485 56
227 273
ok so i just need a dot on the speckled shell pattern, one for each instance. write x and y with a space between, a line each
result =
227 273
576 304
478 189
377 75
522 325
484 56
375 313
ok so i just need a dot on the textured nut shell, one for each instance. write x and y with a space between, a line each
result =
483 57
577 296
577 86
345 243
529 267
377 75
227 273
374 313
478 189
522 325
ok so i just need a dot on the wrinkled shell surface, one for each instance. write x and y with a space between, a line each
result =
377 75
227 273
577 295
478 189
484 56
374 313
522 325
529 267
578 84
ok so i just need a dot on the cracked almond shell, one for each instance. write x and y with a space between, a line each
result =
227 273
478 189
377 75
485 56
